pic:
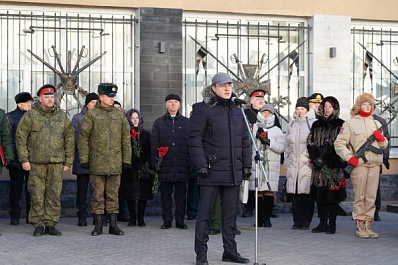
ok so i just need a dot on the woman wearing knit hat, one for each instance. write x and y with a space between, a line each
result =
326 163
271 143
297 164
365 175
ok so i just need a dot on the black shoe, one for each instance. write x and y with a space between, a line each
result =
201 259
237 232
123 218
132 222
247 213
165 226
267 222
274 215
235 258
14 221
141 223
305 227
181 226
52 231
297 226
105 219
377 217
214 231
39 231
81 221
191 217
322 227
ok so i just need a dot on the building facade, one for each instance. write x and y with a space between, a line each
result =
291 49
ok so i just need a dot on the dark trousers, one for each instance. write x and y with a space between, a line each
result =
81 194
378 199
302 209
250 205
180 199
229 196
192 198
17 180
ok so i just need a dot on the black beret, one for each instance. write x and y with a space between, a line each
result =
303 102
173 96
91 96
23 97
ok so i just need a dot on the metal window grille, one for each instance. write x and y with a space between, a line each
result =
253 43
375 70
20 71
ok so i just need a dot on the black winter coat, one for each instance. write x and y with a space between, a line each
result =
218 140
172 133
320 144
13 119
134 187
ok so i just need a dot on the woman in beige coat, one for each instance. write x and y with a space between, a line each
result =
298 166
365 175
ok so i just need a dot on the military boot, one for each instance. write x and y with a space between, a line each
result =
105 219
368 229
361 230
113 229
98 225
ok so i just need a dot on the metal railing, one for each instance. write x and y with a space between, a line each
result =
242 49
67 33
375 70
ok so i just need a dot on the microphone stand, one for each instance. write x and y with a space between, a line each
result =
257 180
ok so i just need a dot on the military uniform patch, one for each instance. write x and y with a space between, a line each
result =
341 130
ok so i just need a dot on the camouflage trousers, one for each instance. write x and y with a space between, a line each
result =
108 184
45 186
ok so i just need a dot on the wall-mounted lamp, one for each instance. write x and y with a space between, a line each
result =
332 52
161 47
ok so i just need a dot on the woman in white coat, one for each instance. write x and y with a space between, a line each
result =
271 143
298 165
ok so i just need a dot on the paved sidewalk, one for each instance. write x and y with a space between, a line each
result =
279 245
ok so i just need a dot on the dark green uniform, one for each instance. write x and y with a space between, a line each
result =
104 142
5 139
45 138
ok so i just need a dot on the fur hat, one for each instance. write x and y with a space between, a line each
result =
23 97
365 97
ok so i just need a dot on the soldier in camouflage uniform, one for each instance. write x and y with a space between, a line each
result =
104 148
45 146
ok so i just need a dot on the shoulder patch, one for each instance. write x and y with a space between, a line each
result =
341 130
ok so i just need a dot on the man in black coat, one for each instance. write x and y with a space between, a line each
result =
18 176
170 131
219 147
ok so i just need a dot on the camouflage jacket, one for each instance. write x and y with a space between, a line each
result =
104 140
45 137
5 138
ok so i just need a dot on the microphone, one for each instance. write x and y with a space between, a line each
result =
238 101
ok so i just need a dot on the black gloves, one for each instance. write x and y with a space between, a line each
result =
318 163
126 166
264 140
257 158
262 136
246 173
8 163
385 162
151 173
202 172
85 165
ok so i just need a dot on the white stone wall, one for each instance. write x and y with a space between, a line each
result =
331 76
